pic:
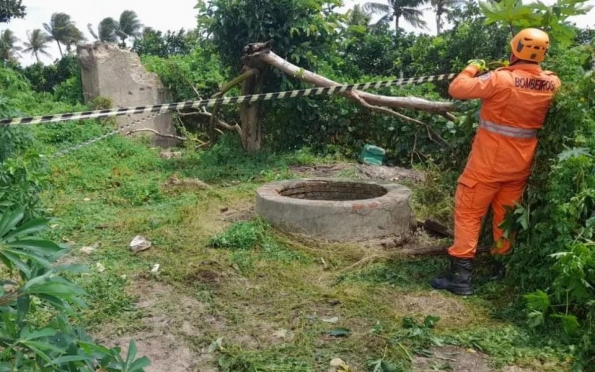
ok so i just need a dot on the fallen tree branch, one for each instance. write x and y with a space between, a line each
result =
257 53
385 110
157 133
221 123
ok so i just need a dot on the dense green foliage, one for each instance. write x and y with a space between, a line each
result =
10 9
38 298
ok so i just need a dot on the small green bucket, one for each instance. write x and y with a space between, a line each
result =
373 155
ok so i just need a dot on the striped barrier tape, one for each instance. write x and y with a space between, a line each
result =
222 101
97 139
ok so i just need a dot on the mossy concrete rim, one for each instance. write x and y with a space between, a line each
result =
366 218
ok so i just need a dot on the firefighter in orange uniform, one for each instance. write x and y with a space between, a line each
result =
515 101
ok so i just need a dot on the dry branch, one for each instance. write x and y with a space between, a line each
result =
221 123
385 110
156 133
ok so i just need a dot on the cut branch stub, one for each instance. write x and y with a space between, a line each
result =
214 121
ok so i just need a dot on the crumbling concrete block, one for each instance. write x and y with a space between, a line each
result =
118 74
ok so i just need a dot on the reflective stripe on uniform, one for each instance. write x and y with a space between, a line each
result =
506 130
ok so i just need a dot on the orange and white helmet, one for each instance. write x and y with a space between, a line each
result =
530 44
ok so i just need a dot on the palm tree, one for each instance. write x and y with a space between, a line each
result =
443 7
407 9
107 30
129 25
9 51
37 43
358 17
62 30
110 29
75 36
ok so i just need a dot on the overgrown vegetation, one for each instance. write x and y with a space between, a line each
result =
241 271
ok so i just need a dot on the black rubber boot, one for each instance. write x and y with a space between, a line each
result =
498 271
458 278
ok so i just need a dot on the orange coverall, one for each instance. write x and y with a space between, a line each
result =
515 101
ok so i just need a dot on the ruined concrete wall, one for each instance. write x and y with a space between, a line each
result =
118 74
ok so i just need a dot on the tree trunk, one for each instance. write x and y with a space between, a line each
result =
249 115
438 25
36 56
60 49
397 24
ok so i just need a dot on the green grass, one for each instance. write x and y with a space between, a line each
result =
246 282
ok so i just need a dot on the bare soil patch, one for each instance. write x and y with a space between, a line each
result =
451 358
451 310
238 213
365 171
165 321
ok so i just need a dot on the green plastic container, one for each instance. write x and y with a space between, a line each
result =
373 155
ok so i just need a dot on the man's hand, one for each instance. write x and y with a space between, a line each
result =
479 63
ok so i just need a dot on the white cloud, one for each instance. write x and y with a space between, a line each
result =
164 15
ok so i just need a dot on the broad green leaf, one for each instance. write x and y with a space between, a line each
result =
54 289
570 322
57 303
139 364
570 153
91 348
46 332
38 351
131 353
16 261
36 245
9 220
23 303
29 227
72 268
68 359
538 301
32 256
535 319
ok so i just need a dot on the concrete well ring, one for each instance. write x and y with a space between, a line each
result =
337 209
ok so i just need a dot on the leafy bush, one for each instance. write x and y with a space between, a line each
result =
241 235
62 78
33 283
37 298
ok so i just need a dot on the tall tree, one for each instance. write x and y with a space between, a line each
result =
37 43
129 25
106 30
397 9
9 51
110 29
10 9
444 7
63 30
358 16
75 36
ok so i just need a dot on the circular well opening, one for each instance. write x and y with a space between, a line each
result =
333 191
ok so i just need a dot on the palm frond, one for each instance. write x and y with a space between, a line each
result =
377 8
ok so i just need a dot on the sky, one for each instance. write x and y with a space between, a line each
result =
163 15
